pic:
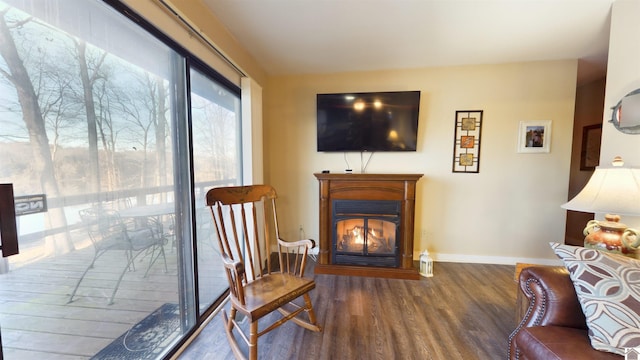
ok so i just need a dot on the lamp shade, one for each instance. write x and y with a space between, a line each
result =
611 190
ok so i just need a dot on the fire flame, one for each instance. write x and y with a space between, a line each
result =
357 235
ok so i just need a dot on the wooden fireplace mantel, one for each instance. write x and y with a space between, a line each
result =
399 187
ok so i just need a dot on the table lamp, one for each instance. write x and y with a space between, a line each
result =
614 191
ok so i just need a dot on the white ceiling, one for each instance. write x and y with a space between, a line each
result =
326 36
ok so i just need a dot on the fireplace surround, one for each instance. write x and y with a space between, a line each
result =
367 225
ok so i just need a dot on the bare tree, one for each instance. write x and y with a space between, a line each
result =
162 125
17 74
107 133
215 136
89 74
58 107
143 112
136 118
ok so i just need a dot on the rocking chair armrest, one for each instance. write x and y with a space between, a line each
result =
236 273
236 266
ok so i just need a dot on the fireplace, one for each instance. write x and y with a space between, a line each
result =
366 225
365 232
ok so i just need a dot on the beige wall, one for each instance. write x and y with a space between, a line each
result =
623 76
506 213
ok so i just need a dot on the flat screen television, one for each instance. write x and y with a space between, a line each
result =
375 121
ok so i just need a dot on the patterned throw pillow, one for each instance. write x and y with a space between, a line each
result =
608 288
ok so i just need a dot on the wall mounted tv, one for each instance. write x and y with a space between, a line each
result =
375 121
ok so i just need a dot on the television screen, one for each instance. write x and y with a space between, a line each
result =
378 121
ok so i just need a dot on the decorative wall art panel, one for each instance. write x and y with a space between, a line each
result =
466 144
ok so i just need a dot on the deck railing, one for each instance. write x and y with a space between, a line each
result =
139 196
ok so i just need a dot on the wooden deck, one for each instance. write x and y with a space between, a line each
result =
38 322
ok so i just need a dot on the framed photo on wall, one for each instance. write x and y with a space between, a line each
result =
466 145
534 136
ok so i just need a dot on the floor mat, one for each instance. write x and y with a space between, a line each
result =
146 339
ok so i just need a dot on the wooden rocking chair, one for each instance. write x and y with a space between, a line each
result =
246 224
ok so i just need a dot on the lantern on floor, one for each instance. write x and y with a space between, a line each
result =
426 264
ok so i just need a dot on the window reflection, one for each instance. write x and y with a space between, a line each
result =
88 104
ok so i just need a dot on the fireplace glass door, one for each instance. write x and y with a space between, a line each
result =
366 236
366 233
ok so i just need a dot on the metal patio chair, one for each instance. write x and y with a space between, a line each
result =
109 232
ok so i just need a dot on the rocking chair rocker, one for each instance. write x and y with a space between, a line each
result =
246 224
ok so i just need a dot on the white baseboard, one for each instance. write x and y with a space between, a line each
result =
499 260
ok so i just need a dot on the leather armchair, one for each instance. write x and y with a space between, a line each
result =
553 325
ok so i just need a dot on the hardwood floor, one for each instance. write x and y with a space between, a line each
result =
466 311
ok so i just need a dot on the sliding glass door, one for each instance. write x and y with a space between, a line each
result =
215 114
110 139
